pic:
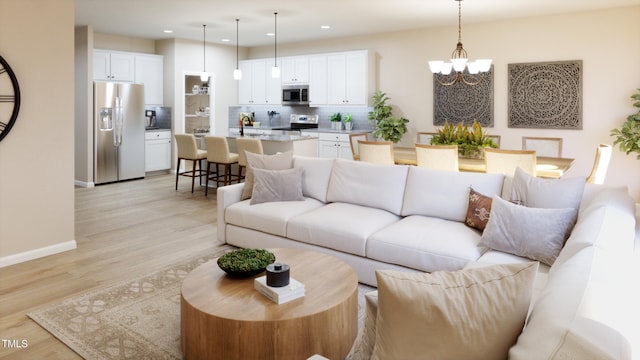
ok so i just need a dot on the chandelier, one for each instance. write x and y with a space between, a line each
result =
459 61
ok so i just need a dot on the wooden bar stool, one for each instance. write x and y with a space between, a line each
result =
188 150
218 154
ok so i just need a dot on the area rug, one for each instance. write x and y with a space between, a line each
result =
133 319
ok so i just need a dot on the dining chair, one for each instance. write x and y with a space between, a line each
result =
243 144
353 142
424 137
441 157
188 150
378 152
600 164
218 154
544 146
498 161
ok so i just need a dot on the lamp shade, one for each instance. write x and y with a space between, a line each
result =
435 66
446 68
473 68
204 76
484 64
237 74
459 64
275 72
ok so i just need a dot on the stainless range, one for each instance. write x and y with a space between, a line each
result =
299 122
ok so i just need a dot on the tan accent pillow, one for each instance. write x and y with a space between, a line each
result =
277 185
279 161
478 210
468 314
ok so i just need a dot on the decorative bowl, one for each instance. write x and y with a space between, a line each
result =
245 262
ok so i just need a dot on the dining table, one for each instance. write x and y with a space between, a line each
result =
546 167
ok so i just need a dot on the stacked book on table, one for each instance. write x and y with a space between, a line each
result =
282 294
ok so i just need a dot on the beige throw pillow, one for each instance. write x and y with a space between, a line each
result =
276 185
279 161
467 314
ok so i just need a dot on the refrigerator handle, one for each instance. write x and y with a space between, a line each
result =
117 133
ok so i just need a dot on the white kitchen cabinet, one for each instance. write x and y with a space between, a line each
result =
113 66
334 145
257 87
149 71
318 80
157 150
295 70
348 78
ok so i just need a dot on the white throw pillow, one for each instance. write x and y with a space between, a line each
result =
537 192
466 314
315 178
534 233
277 185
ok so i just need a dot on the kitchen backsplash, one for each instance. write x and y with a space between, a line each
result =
360 115
163 116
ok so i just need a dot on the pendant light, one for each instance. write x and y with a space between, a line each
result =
275 70
237 73
204 76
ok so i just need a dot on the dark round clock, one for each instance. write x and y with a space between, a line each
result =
9 98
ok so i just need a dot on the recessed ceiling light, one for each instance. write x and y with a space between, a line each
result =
225 40
325 27
167 31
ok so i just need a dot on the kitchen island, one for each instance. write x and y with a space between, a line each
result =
275 143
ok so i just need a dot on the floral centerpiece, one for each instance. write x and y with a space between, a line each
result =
471 140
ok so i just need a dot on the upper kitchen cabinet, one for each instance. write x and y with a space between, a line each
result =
113 66
318 80
149 71
257 87
295 70
349 78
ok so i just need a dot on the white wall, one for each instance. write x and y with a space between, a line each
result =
606 41
36 157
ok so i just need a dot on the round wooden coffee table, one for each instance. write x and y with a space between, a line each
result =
226 318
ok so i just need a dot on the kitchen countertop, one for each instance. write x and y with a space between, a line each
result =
324 130
280 138
154 130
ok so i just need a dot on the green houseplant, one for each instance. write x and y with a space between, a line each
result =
470 139
348 125
628 136
335 119
385 124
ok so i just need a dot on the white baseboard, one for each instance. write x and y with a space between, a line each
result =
84 184
37 253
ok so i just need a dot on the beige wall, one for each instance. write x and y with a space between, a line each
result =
606 41
36 157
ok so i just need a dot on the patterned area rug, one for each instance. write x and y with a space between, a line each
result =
133 319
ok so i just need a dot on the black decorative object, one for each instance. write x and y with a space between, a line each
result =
245 262
546 95
277 275
9 98
461 102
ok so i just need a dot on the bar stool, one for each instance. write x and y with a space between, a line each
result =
188 150
246 144
218 154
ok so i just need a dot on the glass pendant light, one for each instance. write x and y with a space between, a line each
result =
204 76
275 70
237 73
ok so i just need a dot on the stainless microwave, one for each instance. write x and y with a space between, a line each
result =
295 95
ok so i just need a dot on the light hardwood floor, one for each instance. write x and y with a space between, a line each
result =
123 230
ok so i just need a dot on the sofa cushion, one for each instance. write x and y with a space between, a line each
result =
466 314
270 217
537 192
366 184
535 233
425 243
478 210
340 226
277 185
278 161
445 194
315 179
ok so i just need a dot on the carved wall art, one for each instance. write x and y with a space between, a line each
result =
546 95
462 102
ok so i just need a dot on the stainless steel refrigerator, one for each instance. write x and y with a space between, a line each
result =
119 128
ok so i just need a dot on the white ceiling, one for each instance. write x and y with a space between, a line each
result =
300 20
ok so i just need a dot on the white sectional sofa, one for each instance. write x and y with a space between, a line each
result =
408 218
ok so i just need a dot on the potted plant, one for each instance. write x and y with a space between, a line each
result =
348 124
335 119
385 124
628 136
470 140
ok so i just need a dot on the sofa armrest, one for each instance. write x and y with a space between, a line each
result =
227 196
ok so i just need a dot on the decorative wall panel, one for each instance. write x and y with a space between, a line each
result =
462 102
546 95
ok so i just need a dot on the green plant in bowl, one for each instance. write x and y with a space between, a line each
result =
245 262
